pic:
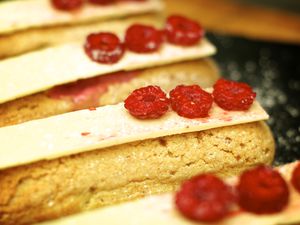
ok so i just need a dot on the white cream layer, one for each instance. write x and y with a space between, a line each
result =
41 70
87 130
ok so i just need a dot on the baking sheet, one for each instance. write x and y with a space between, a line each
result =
273 70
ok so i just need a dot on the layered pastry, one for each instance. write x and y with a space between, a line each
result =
51 22
89 158
101 156
105 90
65 78
284 203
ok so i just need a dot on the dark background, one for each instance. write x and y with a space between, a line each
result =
273 70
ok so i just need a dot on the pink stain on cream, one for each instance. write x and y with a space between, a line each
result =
126 129
86 93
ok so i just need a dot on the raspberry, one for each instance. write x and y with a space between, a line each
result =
231 95
67 4
102 2
147 103
143 39
183 31
205 198
296 178
104 48
132 0
262 191
191 101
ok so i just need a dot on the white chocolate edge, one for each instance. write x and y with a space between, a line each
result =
160 209
106 126
40 13
38 71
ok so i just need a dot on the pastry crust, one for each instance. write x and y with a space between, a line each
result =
41 13
203 72
52 189
34 39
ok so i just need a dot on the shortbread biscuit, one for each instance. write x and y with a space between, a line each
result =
203 72
51 189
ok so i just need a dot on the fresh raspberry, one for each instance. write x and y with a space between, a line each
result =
205 198
143 39
191 101
296 178
104 48
147 103
231 95
132 0
183 31
262 191
67 4
102 2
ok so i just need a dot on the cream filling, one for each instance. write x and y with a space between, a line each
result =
160 209
87 130
41 70
24 14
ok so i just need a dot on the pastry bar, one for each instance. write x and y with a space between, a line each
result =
49 87
161 209
105 156
106 90
38 38
40 13
41 24
44 69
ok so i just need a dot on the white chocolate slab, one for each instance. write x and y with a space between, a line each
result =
107 126
41 70
24 14
160 210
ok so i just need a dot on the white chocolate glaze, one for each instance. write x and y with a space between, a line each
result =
87 130
41 70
